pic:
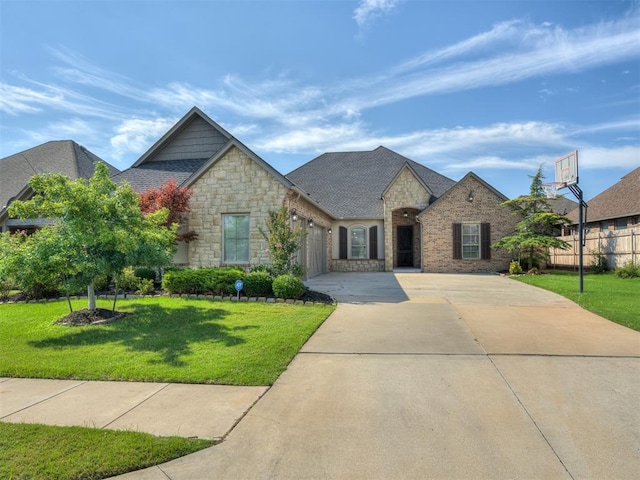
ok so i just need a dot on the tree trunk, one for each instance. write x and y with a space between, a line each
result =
91 295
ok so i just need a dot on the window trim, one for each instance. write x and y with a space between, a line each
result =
248 237
478 245
365 253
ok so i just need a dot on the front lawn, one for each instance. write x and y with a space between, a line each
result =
610 297
37 452
161 339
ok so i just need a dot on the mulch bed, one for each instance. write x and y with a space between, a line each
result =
98 316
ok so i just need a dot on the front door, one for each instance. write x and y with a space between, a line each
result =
405 245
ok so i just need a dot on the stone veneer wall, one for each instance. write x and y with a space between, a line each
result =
357 265
234 184
405 193
454 207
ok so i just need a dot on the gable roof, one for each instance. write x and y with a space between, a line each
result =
61 156
162 161
618 201
459 184
351 184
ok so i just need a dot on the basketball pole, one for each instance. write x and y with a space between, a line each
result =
582 206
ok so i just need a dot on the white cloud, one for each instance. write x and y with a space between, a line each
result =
597 157
135 135
368 10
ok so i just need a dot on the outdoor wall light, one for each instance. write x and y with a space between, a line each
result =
311 223
405 214
294 215
470 197
329 230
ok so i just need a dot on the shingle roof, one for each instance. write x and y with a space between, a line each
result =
351 184
562 205
154 174
618 201
60 156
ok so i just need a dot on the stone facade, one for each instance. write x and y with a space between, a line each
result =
454 206
406 192
356 265
234 184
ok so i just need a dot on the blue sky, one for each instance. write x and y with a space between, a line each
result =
494 87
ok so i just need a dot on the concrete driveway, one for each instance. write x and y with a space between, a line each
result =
442 376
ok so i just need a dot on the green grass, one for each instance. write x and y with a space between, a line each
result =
610 297
35 452
161 340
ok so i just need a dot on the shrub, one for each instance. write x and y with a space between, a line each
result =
145 286
147 273
288 286
599 263
629 270
533 271
262 268
258 284
126 280
514 267
215 281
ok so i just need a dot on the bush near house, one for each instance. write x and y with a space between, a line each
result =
288 286
629 270
258 284
213 281
146 273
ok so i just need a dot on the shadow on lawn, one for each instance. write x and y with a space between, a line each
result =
168 332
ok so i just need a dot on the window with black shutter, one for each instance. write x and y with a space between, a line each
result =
373 243
343 243
457 241
485 239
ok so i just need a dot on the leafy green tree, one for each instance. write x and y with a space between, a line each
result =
283 240
539 228
98 229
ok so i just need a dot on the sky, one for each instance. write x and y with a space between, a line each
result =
499 88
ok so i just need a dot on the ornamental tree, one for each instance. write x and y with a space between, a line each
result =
283 240
539 228
175 199
98 228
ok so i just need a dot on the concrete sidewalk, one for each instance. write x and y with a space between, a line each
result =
413 376
204 411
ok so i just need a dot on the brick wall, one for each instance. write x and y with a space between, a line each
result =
454 207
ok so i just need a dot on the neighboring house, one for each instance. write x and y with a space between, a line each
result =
64 156
362 211
612 225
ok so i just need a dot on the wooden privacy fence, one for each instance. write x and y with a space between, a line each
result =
619 246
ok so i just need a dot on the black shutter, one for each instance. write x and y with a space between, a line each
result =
485 239
343 242
373 243
457 241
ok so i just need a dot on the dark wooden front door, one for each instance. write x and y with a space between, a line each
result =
405 245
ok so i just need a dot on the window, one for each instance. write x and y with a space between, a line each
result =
235 242
604 226
358 242
470 241
621 223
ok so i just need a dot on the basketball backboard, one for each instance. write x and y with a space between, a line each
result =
567 170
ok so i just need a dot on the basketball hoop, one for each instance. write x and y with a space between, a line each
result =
551 189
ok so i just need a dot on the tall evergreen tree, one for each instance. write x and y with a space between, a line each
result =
539 228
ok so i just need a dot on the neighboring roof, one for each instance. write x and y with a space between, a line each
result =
562 205
618 201
154 174
351 184
60 156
